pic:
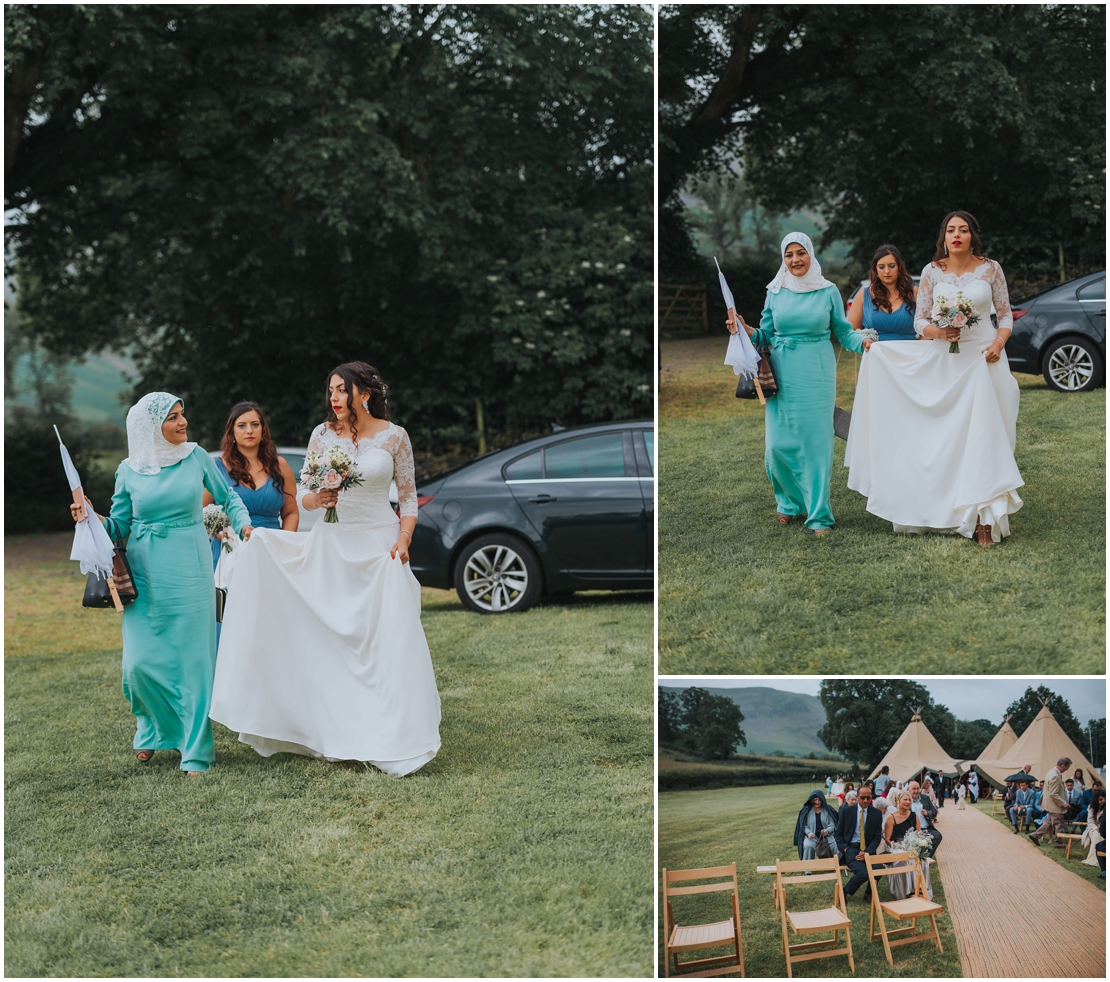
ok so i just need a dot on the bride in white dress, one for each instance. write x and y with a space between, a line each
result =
932 439
322 652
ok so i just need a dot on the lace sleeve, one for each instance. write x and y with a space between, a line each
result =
924 301
1000 294
315 442
404 474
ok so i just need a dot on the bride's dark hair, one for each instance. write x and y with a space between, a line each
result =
941 254
903 284
357 374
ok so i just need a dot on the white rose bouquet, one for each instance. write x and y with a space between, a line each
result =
215 521
917 843
958 313
331 469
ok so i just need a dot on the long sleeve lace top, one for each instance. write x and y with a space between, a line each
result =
984 285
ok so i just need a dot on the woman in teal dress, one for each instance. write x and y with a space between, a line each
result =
169 632
251 465
801 308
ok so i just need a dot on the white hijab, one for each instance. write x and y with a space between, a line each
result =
148 450
813 280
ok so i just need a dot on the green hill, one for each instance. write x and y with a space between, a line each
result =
775 720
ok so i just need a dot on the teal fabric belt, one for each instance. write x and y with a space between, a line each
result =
142 529
779 341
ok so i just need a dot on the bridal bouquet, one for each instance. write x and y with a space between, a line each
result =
331 469
215 521
869 333
953 313
917 843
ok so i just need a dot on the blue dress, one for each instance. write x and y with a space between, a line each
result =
896 326
263 503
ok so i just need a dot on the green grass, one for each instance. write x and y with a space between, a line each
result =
524 848
754 827
1078 850
740 594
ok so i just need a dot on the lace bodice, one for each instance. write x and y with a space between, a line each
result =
982 286
380 459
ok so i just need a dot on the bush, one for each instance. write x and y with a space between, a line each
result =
36 492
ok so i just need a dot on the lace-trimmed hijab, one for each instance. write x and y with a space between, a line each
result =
813 280
148 451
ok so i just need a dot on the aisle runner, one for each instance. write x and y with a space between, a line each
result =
1016 913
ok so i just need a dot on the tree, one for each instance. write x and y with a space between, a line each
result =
245 196
1096 741
711 723
864 717
1023 711
670 717
886 120
969 738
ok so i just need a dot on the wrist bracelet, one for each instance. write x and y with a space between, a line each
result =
406 532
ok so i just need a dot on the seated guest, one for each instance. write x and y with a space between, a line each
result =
1008 796
816 821
1100 848
929 792
1071 799
851 798
926 813
1080 784
1096 785
1091 834
860 830
1023 801
848 786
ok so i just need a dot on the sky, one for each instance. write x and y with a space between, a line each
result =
974 697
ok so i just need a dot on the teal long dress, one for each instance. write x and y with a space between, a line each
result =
169 632
799 454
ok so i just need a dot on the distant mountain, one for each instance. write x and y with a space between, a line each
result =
775 720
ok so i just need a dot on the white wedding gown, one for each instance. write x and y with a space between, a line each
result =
932 439
322 652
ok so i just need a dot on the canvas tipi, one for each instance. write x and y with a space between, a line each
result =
1000 743
1042 744
915 749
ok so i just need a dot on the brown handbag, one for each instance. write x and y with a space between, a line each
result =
745 388
98 589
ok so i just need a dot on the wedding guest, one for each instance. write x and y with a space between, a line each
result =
926 812
1092 835
816 821
1053 803
800 310
169 631
900 820
973 786
1024 799
886 305
882 780
859 830
1072 799
1077 777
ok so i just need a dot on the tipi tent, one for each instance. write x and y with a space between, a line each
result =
914 749
1042 744
1000 743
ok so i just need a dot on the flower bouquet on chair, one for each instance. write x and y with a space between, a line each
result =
331 469
959 313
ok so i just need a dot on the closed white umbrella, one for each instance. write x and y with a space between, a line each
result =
92 547
741 355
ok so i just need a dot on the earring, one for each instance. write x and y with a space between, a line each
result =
366 405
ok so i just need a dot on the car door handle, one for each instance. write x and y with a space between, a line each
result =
542 499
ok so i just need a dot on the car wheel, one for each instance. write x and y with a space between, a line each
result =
1072 365
498 574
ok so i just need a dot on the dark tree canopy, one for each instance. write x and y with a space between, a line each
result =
706 724
886 118
245 196
970 737
1023 711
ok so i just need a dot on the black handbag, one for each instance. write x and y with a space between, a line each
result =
98 593
745 387
823 850
221 599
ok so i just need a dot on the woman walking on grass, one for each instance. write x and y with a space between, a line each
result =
801 309
887 304
169 631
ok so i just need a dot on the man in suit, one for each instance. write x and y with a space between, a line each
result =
854 819
1073 798
1022 803
1054 803
926 811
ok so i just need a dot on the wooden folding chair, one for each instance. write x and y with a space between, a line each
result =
695 936
834 918
912 908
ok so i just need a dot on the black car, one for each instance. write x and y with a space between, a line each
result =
1061 334
565 512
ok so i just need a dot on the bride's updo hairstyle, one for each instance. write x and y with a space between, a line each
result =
903 284
976 244
234 460
359 375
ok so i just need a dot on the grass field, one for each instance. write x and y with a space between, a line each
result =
754 827
524 848
1078 850
740 594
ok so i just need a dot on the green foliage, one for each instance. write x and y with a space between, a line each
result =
1023 711
887 119
669 715
247 195
708 724
758 774
970 737
1097 737
523 849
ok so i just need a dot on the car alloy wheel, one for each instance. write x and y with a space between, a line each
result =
1071 367
497 574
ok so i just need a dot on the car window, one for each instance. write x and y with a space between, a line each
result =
1093 291
296 462
591 456
649 439
528 468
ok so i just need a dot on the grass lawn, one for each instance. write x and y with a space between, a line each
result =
524 848
740 594
754 827
1078 850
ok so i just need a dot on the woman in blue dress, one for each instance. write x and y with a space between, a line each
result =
887 306
250 464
